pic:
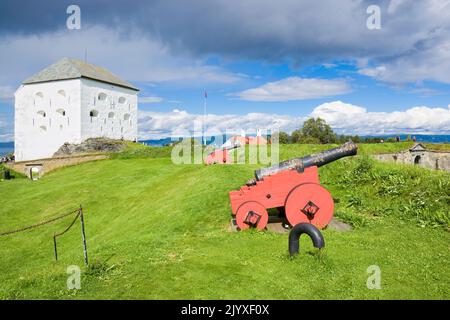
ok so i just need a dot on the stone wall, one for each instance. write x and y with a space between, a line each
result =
424 158
115 110
46 116
50 164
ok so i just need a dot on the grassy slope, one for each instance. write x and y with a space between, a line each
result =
157 230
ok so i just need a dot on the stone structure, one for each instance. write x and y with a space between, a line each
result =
419 155
37 168
69 102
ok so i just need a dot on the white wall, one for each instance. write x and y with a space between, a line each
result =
116 119
38 136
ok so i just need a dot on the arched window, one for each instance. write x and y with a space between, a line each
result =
62 93
102 96
395 158
93 113
126 116
38 99
111 115
417 160
43 128
122 100
42 113
61 111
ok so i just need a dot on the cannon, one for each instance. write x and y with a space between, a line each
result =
221 155
291 187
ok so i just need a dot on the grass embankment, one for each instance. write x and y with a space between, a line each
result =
159 230
438 146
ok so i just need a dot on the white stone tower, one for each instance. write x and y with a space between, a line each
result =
71 101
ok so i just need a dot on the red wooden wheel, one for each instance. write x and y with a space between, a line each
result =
310 203
252 214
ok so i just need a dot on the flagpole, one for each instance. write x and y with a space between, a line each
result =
204 115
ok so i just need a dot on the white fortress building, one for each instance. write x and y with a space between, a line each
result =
71 101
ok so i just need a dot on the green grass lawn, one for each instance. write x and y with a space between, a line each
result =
156 230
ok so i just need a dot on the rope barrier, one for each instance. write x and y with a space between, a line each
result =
61 233
38 224
67 229
79 214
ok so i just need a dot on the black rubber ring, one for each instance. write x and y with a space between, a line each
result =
301 228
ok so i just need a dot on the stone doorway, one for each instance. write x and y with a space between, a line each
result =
417 160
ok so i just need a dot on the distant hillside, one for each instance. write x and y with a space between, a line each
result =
157 142
431 138
220 139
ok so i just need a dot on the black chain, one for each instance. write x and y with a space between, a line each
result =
67 229
40 223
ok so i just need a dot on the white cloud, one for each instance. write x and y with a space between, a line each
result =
296 88
6 93
394 5
6 137
135 57
350 119
428 62
344 118
150 99
329 65
155 125
6 128
149 35
426 55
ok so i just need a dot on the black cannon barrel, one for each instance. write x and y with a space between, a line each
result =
317 159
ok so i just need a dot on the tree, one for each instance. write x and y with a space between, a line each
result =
308 140
283 137
295 136
316 131
343 138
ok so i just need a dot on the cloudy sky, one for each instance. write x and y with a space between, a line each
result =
263 63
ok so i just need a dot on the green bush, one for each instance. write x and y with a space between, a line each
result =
372 188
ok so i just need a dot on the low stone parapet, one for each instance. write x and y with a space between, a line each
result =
35 169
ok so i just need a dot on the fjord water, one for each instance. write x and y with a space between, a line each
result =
5 149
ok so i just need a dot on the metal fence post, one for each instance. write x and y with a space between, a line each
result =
83 234
55 249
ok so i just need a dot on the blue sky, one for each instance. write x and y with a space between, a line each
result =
365 91
262 63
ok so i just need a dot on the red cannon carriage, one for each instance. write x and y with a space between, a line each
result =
221 156
218 156
293 188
